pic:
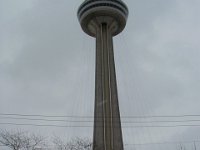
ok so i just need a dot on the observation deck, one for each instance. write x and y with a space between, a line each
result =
92 13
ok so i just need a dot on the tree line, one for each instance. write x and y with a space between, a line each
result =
20 140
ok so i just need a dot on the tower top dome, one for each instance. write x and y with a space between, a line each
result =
92 13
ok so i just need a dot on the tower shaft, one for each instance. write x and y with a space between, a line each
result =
104 19
107 125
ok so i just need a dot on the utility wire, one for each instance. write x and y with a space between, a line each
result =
141 144
81 116
88 126
159 143
81 121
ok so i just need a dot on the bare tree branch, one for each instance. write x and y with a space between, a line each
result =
17 140
74 144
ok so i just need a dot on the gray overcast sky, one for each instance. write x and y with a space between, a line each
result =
47 67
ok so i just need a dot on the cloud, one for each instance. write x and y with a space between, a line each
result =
47 63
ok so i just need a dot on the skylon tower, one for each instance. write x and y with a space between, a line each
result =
104 19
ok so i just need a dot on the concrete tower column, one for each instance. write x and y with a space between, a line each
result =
104 19
107 126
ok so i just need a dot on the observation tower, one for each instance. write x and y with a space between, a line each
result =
104 19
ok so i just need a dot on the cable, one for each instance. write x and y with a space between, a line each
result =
47 116
79 116
159 143
197 141
60 120
44 125
49 120
87 126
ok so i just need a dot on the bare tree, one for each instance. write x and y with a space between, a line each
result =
17 140
74 144
181 147
60 144
34 142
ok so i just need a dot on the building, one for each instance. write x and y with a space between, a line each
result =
104 19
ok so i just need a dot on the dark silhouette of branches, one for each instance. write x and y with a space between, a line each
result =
17 140
74 144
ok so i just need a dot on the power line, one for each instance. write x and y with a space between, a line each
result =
159 143
49 120
89 126
44 125
81 116
144 144
141 144
47 116
81 121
